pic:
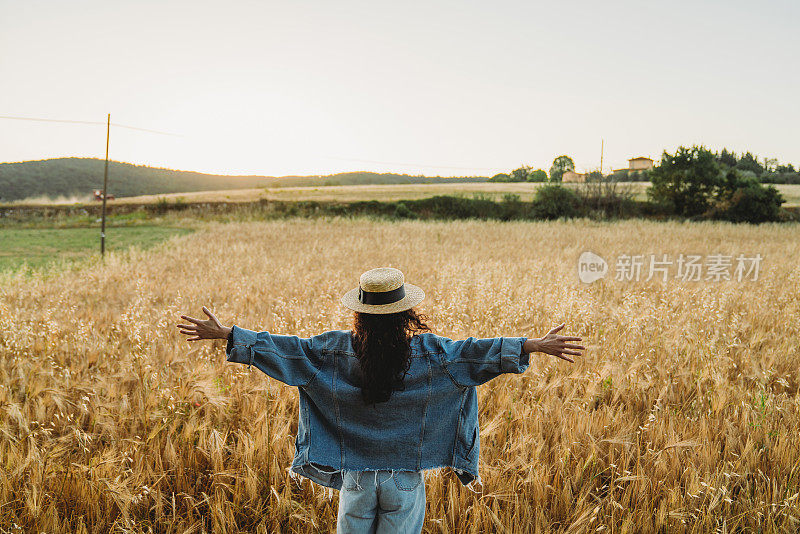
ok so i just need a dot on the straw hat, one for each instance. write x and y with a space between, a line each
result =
383 290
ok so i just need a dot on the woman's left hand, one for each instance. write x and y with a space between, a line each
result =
204 329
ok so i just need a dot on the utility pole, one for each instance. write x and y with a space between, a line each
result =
105 187
601 156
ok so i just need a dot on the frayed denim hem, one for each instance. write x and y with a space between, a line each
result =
332 479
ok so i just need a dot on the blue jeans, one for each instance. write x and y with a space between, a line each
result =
380 502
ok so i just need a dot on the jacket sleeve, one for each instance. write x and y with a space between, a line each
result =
472 362
290 359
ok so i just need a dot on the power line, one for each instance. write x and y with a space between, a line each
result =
47 120
36 119
148 130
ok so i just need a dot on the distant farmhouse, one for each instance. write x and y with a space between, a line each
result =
637 164
572 176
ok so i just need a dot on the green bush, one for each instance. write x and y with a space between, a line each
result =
538 175
449 207
751 204
520 174
741 198
513 207
402 211
555 201
161 206
686 181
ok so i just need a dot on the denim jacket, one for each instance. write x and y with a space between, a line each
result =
431 423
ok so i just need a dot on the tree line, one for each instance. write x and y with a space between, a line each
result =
695 182
765 170
80 176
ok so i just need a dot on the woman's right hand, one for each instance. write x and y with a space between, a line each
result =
200 329
554 345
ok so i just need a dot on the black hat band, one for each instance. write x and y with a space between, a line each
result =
381 297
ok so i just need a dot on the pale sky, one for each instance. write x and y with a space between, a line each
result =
431 87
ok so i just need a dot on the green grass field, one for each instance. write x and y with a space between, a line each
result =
43 247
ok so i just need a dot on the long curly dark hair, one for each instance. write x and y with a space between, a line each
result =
383 346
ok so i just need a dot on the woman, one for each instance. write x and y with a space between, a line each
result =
385 401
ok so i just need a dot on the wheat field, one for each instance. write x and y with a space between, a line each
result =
681 416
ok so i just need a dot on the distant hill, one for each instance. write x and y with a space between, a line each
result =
66 177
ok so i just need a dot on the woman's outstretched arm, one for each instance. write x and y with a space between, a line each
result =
554 344
472 361
290 359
